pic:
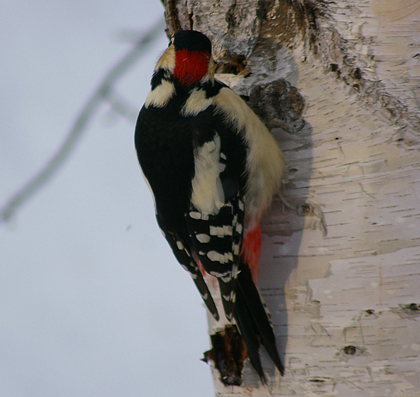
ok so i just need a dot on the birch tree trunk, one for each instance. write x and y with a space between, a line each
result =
339 84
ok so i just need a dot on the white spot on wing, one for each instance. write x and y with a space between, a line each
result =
221 231
230 297
239 228
224 276
203 238
235 271
195 215
215 256
235 249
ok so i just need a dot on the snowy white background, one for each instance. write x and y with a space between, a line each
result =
92 302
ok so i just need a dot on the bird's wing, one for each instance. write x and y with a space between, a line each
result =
183 254
216 243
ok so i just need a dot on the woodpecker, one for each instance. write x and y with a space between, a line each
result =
213 168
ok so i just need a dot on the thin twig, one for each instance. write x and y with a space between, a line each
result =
121 107
79 127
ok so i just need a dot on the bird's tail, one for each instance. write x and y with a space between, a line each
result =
254 322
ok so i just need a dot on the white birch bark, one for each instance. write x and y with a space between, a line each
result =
340 268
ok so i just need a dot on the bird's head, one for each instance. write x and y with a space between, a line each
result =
188 58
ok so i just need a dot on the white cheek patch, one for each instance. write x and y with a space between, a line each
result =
167 60
207 191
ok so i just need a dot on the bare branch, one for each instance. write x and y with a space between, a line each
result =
120 106
104 90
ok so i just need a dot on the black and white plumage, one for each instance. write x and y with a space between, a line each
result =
213 168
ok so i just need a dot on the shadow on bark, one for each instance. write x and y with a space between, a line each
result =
282 233
283 225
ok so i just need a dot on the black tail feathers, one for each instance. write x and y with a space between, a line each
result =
227 292
254 322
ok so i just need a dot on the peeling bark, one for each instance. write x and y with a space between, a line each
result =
339 84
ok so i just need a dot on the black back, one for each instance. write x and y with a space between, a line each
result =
165 143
